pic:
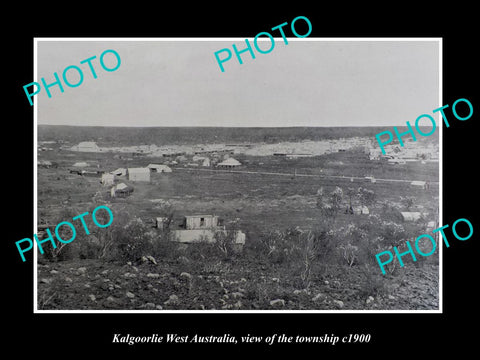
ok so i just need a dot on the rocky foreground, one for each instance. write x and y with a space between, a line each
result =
155 285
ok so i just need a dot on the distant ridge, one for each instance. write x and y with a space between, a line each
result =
126 136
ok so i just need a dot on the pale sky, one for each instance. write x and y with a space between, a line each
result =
179 83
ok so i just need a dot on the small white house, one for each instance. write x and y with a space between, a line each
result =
411 215
107 179
139 174
121 190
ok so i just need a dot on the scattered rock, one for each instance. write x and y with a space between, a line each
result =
135 268
336 283
326 282
53 272
87 286
153 275
390 297
243 280
158 307
104 272
129 263
370 299
129 275
45 280
236 295
297 292
277 302
67 279
130 295
186 275
237 305
339 303
152 259
82 270
275 279
149 305
172 300
110 298
92 297
319 297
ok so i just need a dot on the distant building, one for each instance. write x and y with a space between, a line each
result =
200 221
121 190
295 156
119 172
418 183
229 163
159 168
411 215
204 228
86 146
139 174
47 164
107 179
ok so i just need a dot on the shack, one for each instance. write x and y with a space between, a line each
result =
121 190
107 179
411 215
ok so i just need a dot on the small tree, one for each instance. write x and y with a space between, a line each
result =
366 196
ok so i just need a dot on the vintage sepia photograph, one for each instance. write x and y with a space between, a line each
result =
255 189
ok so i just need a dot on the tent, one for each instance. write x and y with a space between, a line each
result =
229 163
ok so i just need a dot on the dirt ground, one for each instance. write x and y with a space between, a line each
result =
223 285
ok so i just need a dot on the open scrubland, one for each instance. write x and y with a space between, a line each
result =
303 250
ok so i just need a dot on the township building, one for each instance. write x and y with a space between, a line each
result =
203 228
121 190
139 174
107 179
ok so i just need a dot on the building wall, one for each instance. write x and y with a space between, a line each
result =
194 222
134 176
205 235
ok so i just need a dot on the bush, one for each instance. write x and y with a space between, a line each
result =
132 241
